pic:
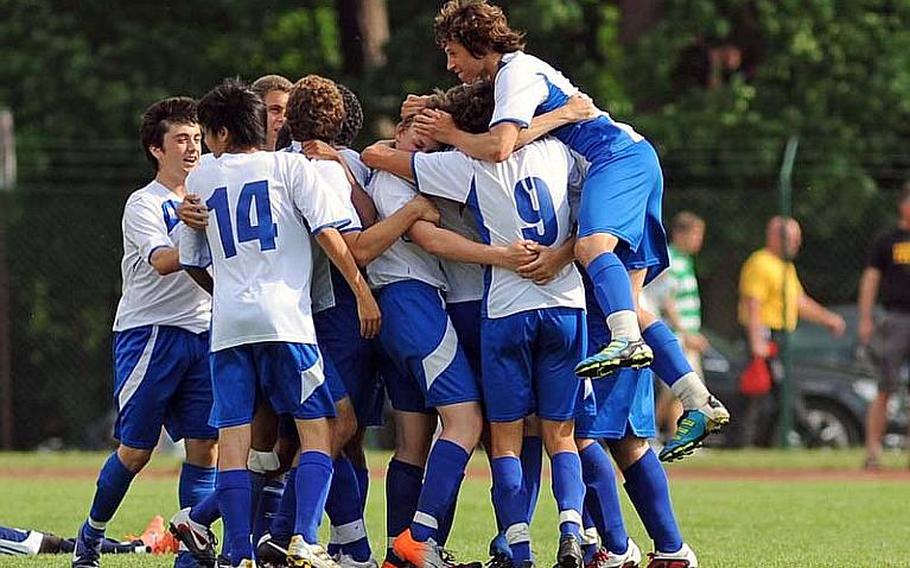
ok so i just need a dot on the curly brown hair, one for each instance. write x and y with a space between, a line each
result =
315 109
471 105
480 27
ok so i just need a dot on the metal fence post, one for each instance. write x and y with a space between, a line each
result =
785 415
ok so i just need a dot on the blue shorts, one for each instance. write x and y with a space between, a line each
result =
353 360
161 378
622 196
289 376
421 341
529 363
624 400
466 318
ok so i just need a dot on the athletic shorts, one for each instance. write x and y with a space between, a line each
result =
419 338
354 360
466 318
290 376
622 196
890 349
529 363
161 378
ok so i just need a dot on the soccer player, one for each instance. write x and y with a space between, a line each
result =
274 91
265 206
621 240
532 334
160 334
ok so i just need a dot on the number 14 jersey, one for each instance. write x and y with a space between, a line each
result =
263 207
523 197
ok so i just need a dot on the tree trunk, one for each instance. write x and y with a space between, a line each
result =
364 32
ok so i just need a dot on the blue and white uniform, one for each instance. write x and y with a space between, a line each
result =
350 367
532 336
161 341
417 333
623 191
264 207
361 171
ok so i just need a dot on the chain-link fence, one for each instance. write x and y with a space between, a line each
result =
63 246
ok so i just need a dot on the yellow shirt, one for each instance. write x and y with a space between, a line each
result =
762 278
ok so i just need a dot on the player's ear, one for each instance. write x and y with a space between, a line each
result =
157 152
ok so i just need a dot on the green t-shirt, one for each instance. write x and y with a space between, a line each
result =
684 287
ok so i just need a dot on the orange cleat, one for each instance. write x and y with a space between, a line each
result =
157 537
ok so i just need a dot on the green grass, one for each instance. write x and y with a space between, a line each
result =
728 522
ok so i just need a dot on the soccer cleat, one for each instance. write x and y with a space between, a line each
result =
618 353
272 552
693 427
603 558
304 555
683 558
569 555
196 537
246 563
223 562
87 552
426 554
347 561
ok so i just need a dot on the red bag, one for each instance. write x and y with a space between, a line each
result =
756 378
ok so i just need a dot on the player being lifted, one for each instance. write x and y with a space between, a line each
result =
621 240
161 371
265 206
532 334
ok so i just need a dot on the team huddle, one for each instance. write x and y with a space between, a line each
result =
481 270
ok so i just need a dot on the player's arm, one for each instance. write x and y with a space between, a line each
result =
579 108
369 244
366 210
452 246
496 145
201 277
381 156
813 311
755 333
165 260
868 290
144 226
335 248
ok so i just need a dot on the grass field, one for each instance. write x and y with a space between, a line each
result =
736 509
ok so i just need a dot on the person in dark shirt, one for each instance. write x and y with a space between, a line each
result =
888 272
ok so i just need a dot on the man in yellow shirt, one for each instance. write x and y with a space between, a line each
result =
772 299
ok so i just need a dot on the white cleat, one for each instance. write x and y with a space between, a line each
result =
682 558
195 537
603 558
346 561
303 555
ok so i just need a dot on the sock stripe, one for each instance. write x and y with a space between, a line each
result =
570 516
348 533
426 520
97 525
518 532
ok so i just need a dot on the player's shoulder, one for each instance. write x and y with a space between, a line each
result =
150 195
383 183
329 168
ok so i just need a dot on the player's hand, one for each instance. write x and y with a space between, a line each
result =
836 325
413 104
865 331
436 124
369 314
696 341
193 213
426 209
543 268
580 108
761 349
519 254
319 150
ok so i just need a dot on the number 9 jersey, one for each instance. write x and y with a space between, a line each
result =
263 207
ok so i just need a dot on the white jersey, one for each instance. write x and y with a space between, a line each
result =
264 206
323 289
361 172
465 280
149 223
403 260
524 197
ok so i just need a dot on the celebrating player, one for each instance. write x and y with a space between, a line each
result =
161 339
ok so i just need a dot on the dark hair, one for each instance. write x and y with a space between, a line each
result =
234 106
283 140
353 117
480 27
315 109
268 83
685 221
471 105
159 117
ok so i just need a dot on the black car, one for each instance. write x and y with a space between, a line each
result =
832 388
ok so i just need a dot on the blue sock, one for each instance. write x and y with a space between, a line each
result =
234 502
403 482
511 504
113 482
196 484
588 545
445 465
531 463
363 482
206 511
343 509
612 286
602 498
314 477
569 491
282 527
269 503
670 361
445 524
257 484
647 487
